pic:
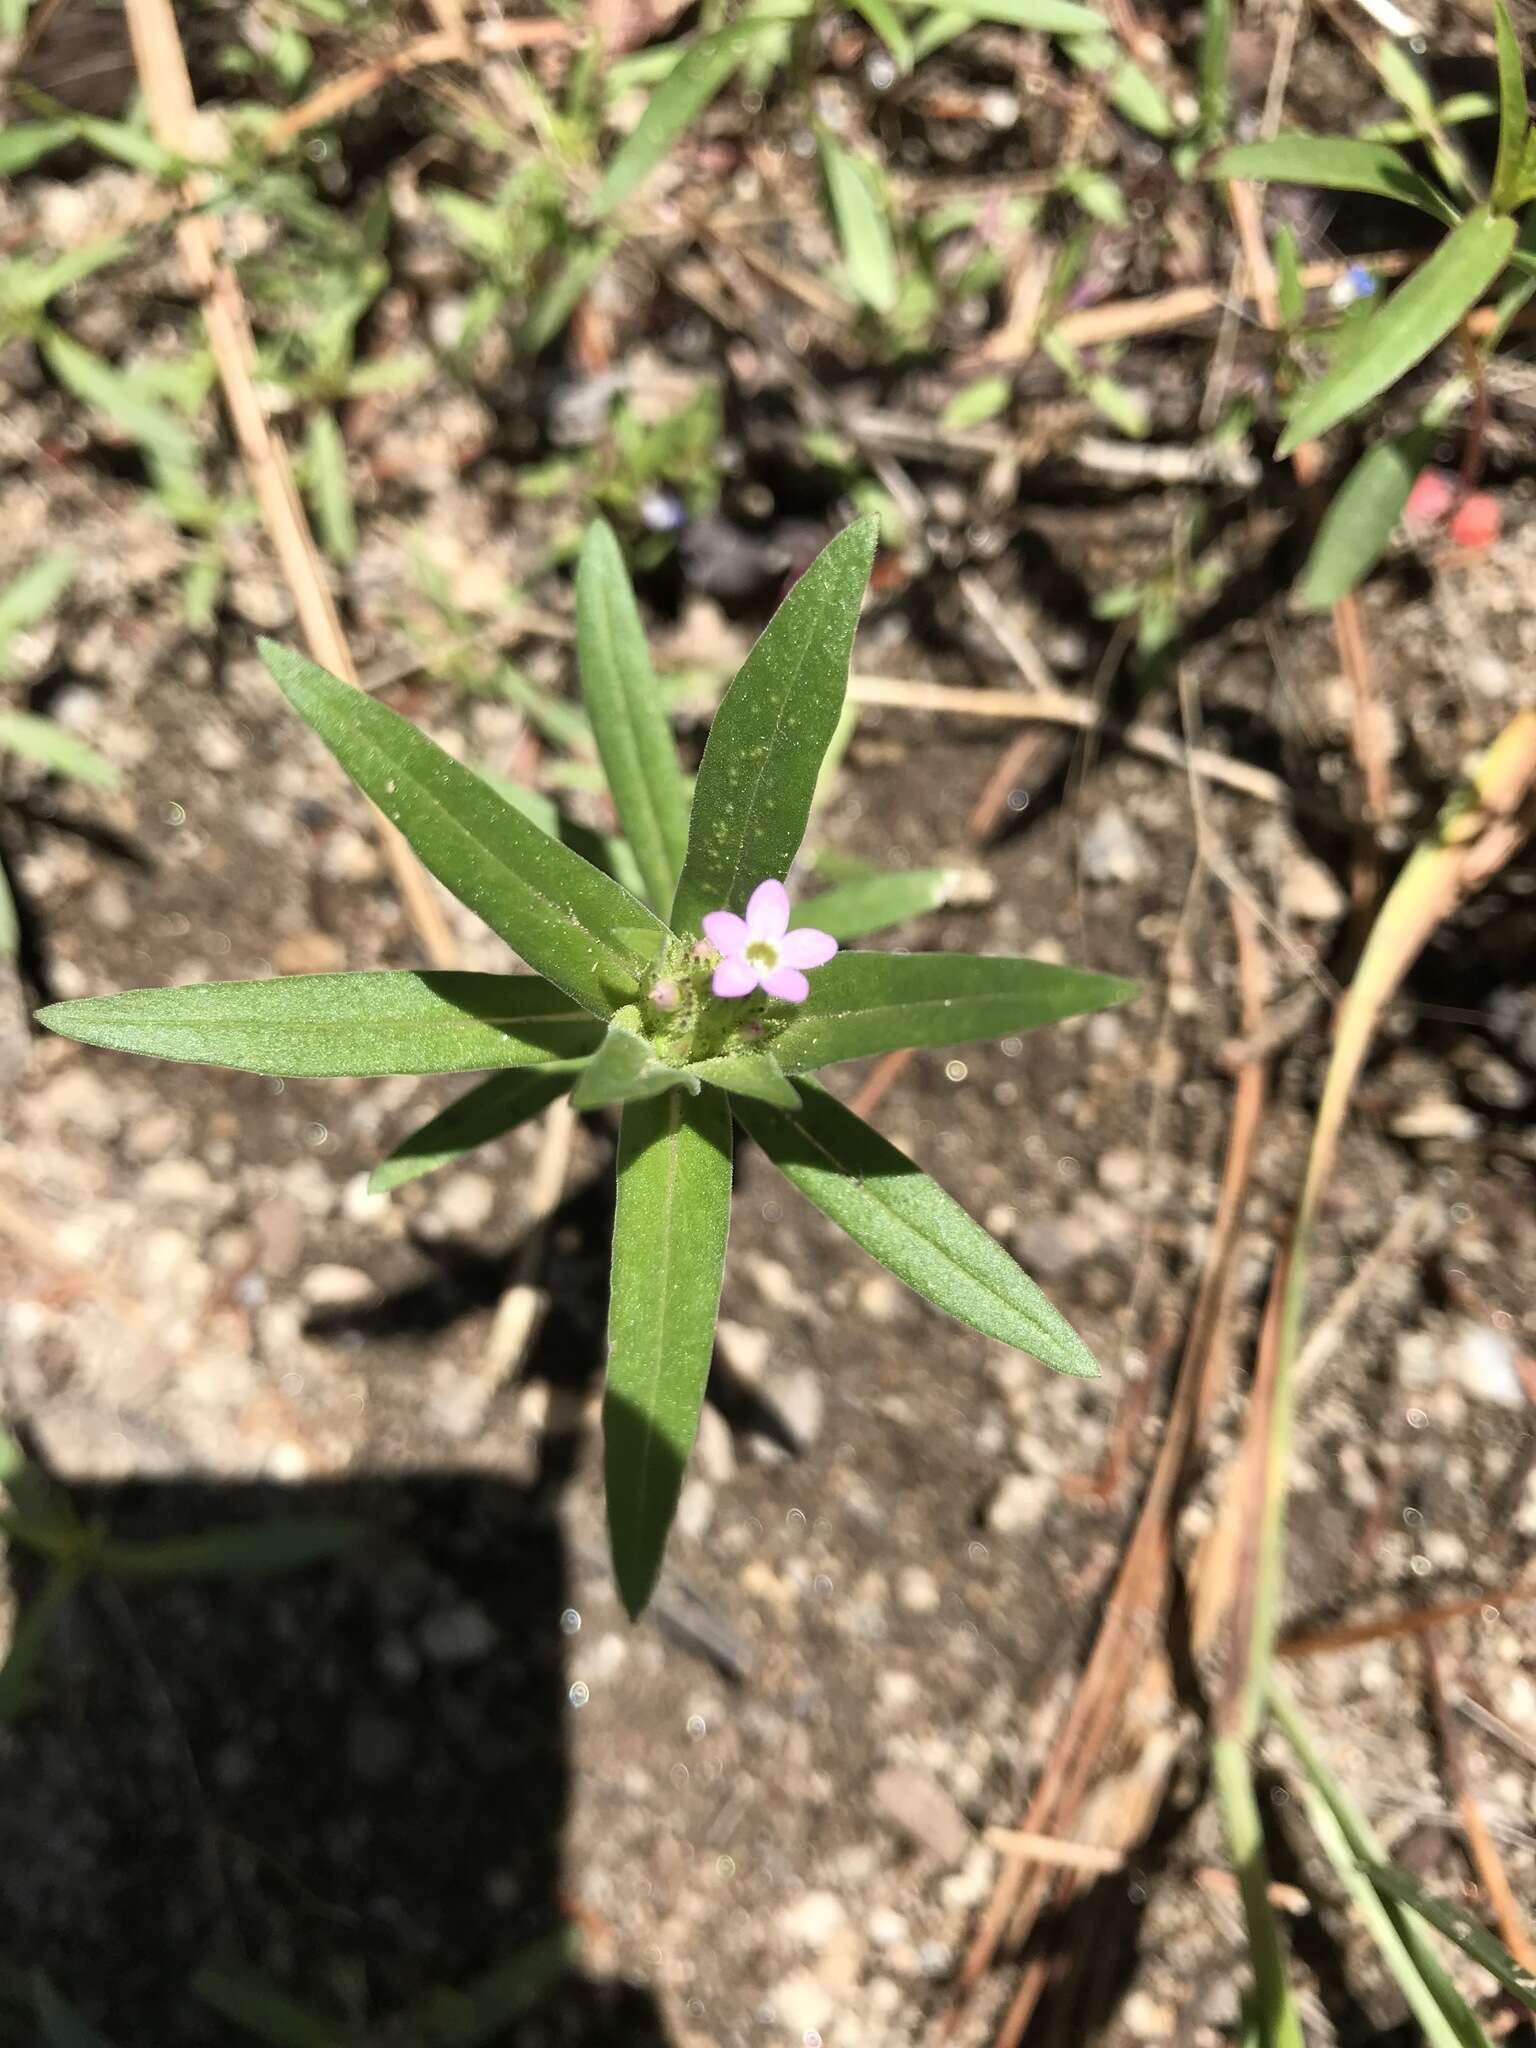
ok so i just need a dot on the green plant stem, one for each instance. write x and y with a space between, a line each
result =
1279 2023
1348 1842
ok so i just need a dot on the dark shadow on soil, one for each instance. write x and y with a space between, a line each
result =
350 1778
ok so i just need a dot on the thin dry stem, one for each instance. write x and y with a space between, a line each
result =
167 88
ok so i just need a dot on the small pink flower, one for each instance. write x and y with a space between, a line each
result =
760 951
1475 523
1432 496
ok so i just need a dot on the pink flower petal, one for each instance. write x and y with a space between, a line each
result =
725 931
806 947
736 978
768 911
788 984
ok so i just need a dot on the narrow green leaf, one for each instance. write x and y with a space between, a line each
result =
1359 523
1419 315
1049 17
669 1235
673 108
625 1069
329 491
1290 290
478 2014
1514 114
976 403
1131 91
878 1002
605 850
266 2013
758 777
327 1024
757 1074
62 2026
907 1222
1334 163
28 142
120 395
875 902
32 1631
286 1543
30 597
48 745
1400 1935
887 25
1459 1926
1215 56
549 905
629 720
863 232
488 1111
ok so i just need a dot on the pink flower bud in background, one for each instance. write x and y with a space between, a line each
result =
1476 521
666 995
1432 496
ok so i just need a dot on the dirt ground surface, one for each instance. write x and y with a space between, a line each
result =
766 1807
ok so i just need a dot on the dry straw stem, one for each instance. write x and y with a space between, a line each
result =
1136 1612
1480 1843
167 88
461 45
1061 707
1478 830
1416 1621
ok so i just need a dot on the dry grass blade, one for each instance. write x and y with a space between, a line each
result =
1060 707
1416 1621
1138 1603
1481 1846
440 46
167 88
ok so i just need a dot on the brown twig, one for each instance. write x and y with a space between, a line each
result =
441 46
1128 1631
1481 1846
167 88
1415 1621
1060 707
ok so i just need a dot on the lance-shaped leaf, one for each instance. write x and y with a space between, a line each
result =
328 1024
872 903
550 905
489 1111
858 212
51 747
626 1069
669 1235
645 777
758 776
1359 522
677 102
286 1543
1400 333
1514 114
1460 1926
907 1222
877 1002
1336 163
757 1074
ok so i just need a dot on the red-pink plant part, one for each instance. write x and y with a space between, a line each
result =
1476 521
1431 498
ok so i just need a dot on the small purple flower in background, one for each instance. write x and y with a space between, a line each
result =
760 951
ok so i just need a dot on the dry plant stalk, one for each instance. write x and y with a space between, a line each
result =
167 88
461 45
1481 1846
1130 1631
